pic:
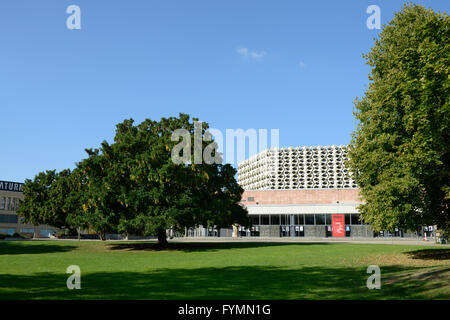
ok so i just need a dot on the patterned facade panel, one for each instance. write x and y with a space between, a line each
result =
321 167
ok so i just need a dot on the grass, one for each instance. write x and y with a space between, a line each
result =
234 270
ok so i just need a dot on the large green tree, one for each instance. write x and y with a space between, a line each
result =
45 198
134 186
399 154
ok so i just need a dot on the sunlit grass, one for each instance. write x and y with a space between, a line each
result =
234 270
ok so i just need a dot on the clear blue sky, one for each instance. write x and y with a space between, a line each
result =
291 65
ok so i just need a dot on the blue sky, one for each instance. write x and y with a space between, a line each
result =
295 66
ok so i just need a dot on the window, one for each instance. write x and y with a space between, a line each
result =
251 199
328 219
265 219
320 219
309 219
27 230
46 233
8 218
285 220
11 204
347 219
299 219
9 231
275 219
254 220
355 219
2 203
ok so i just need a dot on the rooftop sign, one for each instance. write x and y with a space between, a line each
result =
11 186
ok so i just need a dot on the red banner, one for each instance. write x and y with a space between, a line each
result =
338 223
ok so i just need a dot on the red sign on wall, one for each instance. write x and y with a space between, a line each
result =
338 223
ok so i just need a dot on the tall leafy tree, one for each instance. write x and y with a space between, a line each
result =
74 202
137 188
134 186
44 199
399 154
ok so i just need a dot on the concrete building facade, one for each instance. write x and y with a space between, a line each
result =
299 192
321 167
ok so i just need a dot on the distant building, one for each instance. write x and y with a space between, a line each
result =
303 192
10 223
300 192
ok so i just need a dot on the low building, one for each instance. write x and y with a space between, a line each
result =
304 213
10 223
300 192
303 192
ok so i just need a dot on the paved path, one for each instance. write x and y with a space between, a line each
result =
317 240
400 241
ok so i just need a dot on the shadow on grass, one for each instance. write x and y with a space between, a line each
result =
28 247
430 254
201 246
250 282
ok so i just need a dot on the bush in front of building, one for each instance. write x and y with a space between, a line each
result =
59 235
15 235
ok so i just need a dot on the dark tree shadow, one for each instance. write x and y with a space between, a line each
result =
27 247
249 282
430 254
202 246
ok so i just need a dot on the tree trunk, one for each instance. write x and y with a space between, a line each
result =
162 238
102 236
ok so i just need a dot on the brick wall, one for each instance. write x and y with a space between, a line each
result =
316 196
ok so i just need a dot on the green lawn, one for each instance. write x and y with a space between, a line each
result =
234 270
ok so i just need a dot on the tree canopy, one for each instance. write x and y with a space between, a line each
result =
133 186
399 154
